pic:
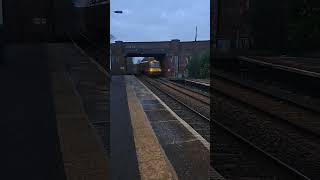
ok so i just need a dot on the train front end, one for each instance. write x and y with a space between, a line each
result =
154 68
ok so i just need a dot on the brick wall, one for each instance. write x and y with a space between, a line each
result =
172 50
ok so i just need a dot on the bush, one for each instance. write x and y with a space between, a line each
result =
199 66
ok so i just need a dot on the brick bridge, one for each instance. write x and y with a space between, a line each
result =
173 55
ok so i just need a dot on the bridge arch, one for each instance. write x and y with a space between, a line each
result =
173 55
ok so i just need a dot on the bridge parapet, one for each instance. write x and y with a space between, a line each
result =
174 54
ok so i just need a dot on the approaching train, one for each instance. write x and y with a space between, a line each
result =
150 67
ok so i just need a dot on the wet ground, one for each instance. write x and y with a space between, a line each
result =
187 154
30 146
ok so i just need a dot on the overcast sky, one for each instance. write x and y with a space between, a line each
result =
160 20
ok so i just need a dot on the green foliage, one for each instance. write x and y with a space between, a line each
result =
199 66
193 67
304 26
205 65
286 25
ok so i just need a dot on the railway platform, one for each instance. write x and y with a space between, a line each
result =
149 139
30 148
49 135
54 96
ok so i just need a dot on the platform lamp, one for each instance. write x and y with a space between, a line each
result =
113 37
118 12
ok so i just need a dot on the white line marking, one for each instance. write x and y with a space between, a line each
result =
186 125
133 98
198 82
186 141
288 68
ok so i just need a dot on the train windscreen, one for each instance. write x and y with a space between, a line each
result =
155 64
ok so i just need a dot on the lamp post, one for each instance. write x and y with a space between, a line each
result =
118 12
113 37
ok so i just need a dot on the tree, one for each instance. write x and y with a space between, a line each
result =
304 26
199 66
193 67
205 65
112 37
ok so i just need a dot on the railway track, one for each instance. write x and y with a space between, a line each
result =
193 85
205 99
198 121
233 156
276 76
193 88
281 128
273 90
280 108
198 102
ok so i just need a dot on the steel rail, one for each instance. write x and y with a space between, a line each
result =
160 81
188 88
281 163
270 96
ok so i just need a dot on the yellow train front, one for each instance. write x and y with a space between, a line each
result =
150 67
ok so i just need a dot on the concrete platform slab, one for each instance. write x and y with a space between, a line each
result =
186 153
153 107
153 163
83 153
30 145
172 132
123 160
160 115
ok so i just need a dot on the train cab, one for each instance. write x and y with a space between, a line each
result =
154 68
150 67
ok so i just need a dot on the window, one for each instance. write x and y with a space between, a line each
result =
154 64
188 59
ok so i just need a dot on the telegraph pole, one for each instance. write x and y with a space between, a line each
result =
195 38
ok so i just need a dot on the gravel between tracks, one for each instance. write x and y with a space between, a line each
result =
234 159
279 138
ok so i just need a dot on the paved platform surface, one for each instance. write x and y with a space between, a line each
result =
153 162
47 130
123 161
92 84
84 155
30 149
187 154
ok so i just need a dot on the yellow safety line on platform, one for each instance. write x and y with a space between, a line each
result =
153 163
205 143
83 154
